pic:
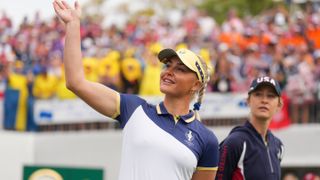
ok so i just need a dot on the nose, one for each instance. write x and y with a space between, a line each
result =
168 70
264 98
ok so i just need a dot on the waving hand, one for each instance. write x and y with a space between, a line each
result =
65 12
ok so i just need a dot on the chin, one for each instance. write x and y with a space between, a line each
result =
164 90
169 91
263 117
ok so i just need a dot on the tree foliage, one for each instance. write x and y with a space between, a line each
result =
219 8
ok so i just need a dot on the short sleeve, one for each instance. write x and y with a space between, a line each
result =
128 104
210 156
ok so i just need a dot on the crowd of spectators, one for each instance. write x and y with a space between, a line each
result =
306 176
278 43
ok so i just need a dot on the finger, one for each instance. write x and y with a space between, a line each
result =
60 5
66 4
56 7
76 5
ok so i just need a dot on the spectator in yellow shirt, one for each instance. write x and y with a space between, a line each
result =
90 68
150 83
109 70
131 72
17 80
44 85
62 92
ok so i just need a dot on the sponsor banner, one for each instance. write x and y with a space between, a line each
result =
57 111
61 173
215 106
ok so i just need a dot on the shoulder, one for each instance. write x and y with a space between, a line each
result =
131 97
205 132
238 133
237 136
129 104
275 139
207 137
211 137
131 100
277 146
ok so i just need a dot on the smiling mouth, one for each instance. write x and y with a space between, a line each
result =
167 81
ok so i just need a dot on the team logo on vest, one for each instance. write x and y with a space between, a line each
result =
189 138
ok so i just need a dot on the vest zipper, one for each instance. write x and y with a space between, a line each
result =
269 158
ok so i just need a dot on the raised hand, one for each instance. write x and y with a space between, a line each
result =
65 12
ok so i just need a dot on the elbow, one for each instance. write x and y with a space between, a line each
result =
70 86
75 82
73 86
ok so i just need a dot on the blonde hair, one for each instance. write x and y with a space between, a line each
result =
201 92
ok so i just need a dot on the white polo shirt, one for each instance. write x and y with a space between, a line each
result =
155 147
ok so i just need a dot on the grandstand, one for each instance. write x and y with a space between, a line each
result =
53 128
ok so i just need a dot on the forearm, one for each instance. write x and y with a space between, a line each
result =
72 55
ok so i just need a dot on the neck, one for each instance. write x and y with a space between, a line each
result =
177 106
261 126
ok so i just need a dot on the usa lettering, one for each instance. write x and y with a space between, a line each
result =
266 79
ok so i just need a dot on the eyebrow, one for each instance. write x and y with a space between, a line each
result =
184 66
181 64
268 91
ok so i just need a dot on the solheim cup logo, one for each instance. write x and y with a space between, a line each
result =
189 137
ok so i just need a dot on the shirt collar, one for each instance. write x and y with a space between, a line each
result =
250 126
188 118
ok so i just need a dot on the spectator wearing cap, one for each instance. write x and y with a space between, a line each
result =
164 141
251 151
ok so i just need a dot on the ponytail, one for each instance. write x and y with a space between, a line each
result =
197 104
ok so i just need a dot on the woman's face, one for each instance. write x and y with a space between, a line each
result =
264 103
177 79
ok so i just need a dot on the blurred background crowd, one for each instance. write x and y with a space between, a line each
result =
279 42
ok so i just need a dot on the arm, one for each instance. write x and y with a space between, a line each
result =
98 96
204 175
230 152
